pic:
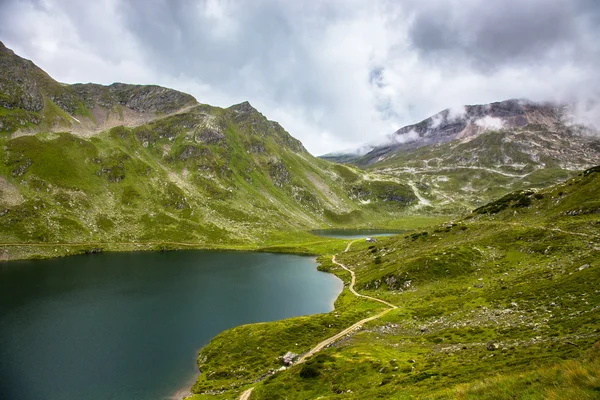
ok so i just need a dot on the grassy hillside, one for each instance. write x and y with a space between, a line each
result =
208 176
463 174
124 166
500 304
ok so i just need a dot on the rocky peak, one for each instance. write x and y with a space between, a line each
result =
4 49
150 98
472 120
26 87
21 82
141 98
244 107
258 126
469 122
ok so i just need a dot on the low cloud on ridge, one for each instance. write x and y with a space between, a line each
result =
335 74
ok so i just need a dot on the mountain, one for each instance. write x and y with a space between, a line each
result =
501 303
349 155
30 101
467 123
460 159
87 163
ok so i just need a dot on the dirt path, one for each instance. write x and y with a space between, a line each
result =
422 200
355 292
446 169
246 394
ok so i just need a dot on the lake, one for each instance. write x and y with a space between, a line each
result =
355 233
125 326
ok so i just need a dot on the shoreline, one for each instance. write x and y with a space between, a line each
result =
185 392
301 242
26 251
91 249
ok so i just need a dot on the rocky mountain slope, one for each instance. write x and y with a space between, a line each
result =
467 123
457 160
501 303
31 101
167 169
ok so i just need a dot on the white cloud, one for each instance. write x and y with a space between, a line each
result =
407 137
456 112
335 74
489 122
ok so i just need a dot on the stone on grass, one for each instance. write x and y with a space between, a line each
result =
289 357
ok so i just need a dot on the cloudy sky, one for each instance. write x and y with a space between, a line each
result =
335 74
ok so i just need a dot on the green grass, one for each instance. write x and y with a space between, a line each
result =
54 117
14 119
511 282
346 172
65 161
501 302
159 183
83 111
565 380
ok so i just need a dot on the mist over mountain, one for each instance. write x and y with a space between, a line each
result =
466 156
467 122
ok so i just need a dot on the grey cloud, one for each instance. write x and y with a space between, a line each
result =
176 31
376 77
492 34
181 37
334 73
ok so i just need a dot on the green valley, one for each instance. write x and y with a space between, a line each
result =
500 303
179 172
493 292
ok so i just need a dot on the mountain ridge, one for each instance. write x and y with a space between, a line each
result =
132 163
32 101
458 160
465 123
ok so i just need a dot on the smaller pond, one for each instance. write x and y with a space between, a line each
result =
356 233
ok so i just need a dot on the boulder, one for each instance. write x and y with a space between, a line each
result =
288 358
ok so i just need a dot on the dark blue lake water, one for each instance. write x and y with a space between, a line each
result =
125 326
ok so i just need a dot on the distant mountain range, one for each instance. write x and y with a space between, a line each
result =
464 123
460 158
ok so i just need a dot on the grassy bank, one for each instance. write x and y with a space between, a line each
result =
494 305
295 242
